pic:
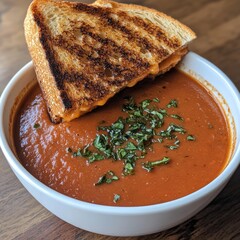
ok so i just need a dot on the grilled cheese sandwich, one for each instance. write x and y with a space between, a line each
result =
85 53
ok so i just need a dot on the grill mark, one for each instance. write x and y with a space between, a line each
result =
72 77
80 80
59 41
173 43
65 99
118 82
87 8
115 24
44 40
130 35
127 54
135 36
57 69
125 73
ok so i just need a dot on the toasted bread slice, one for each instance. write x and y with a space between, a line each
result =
85 53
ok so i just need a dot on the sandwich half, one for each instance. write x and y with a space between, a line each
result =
84 54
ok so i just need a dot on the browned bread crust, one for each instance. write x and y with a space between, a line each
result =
85 53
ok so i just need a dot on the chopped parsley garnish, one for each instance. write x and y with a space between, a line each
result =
176 116
36 125
150 165
116 198
172 147
133 135
191 138
95 157
129 167
173 103
107 178
169 132
101 143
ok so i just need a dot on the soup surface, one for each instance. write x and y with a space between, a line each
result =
177 157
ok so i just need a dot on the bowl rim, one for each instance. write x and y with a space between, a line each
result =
117 210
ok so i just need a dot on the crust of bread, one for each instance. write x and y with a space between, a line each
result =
133 7
60 106
42 68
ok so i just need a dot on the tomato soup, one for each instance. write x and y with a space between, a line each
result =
158 141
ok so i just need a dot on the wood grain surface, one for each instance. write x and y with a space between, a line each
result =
217 24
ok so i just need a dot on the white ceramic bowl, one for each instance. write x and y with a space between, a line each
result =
125 221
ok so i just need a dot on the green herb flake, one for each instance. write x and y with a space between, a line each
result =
176 117
176 128
158 114
95 157
156 100
173 103
173 147
128 169
121 153
85 152
116 198
36 125
145 103
177 142
131 137
77 153
101 143
119 124
108 177
149 166
131 146
191 138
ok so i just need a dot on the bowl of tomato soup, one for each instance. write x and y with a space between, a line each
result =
151 158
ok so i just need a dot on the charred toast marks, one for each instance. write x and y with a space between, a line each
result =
90 52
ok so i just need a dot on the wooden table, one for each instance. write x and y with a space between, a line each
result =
217 25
